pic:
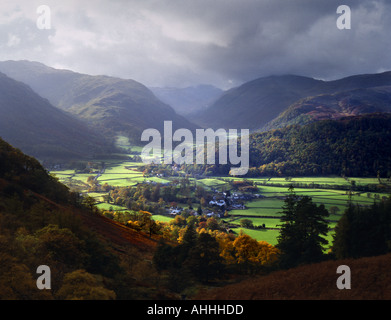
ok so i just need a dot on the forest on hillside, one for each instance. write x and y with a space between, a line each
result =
356 147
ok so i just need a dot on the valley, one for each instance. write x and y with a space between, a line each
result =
162 151
318 160
261 204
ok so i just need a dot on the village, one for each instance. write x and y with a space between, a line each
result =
221 203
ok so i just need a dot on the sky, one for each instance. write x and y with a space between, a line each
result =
180 43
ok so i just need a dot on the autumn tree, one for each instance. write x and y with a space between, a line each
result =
81 285
16 281
252 254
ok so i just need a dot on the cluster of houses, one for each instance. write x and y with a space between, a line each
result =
173 211
233 201
223 202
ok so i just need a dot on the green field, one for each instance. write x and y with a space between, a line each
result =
268 209
269 236
212 184
108 206
161 218
268 222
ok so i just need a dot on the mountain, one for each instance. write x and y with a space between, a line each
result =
189 100
257 102
30 123
254 104
334 106
112 105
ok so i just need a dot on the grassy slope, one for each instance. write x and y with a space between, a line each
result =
370 279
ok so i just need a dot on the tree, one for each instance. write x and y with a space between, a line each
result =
162 257
60 245
246 250
156 193
212 224
363 232
251 254
81 285
89 202
342 242
16 281
246 223
334 210
204 261
189 237
300 239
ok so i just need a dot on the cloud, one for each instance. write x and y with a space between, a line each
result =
186 42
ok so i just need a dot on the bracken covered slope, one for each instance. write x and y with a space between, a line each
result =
370 280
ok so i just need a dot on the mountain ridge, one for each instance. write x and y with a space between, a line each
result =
32 124
334 106
254 104
112 105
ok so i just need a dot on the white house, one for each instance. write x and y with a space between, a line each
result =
219 203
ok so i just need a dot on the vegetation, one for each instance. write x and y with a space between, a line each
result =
303 224
334 106
370 276
357 147
39 227
350 147
363 232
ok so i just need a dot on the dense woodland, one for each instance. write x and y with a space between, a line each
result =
358 146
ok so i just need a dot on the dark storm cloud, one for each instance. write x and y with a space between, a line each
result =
184 42
299 37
